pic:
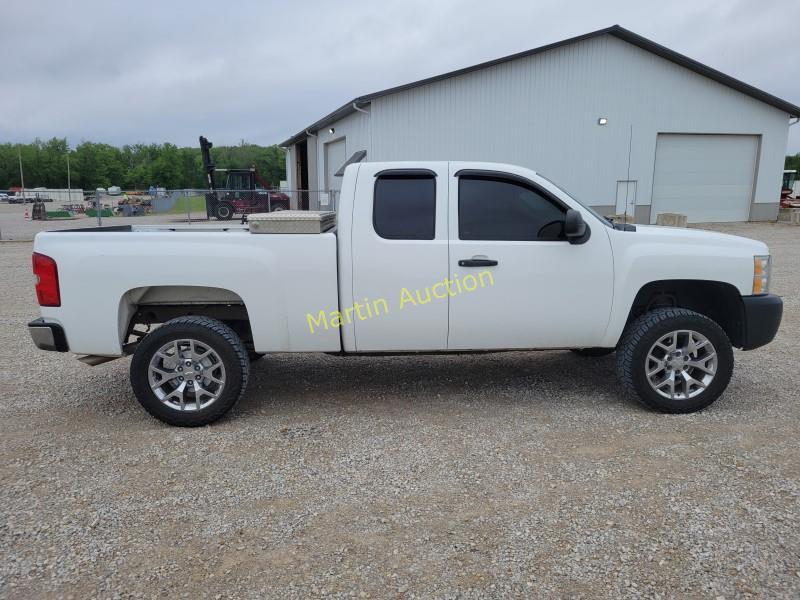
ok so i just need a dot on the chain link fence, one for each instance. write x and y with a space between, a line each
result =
29 196
185 204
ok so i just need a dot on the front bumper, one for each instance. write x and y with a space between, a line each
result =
48 336
762 317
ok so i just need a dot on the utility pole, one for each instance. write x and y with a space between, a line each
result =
21 175
69 182
99 208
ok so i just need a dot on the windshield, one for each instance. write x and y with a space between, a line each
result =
603 220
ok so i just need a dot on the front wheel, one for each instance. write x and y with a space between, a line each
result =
190 371
675 360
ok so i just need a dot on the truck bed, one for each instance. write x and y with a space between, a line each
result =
279 278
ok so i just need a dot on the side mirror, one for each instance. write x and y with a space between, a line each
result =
575 228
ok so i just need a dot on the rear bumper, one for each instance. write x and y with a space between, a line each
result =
48 336
762 317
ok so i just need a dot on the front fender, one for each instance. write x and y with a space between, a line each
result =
658 254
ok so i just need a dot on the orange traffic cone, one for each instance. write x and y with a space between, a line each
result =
27 214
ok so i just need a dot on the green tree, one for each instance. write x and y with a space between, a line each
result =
135 166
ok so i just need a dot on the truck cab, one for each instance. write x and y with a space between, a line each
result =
450 222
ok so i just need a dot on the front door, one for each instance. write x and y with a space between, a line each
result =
399 255
516 282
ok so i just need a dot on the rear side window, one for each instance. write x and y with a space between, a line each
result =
405 206
497 209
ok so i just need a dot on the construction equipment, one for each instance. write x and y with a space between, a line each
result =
38 212
245 191
789 187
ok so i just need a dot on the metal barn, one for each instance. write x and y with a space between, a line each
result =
622 123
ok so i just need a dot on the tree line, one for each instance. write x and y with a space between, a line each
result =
132 167
792 162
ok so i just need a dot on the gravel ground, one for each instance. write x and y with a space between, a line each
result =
517 474
13 225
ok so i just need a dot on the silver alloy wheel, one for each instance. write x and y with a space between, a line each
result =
681 364
186 375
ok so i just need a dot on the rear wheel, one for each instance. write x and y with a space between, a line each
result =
675 360
190 371
224 211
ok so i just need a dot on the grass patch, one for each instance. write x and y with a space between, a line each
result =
196 204
106 212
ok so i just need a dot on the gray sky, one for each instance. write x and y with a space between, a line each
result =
141 71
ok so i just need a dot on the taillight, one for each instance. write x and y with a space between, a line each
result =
46 272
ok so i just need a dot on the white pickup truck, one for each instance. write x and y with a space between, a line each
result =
425 257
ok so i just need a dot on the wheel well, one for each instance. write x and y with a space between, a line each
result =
717 300
142 309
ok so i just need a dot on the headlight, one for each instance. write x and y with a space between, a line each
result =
761 273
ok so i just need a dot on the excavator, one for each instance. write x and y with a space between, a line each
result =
245 191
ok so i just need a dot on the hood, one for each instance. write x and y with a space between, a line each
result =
699 237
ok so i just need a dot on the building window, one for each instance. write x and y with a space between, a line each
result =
404 207
492 208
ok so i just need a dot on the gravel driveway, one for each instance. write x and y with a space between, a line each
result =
516 474
14 226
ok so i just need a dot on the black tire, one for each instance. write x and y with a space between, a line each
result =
216 335
593 352
279 206
642 334
224 211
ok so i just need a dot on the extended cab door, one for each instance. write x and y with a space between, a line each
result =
516 282
399 253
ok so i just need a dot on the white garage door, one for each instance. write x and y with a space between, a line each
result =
335 157
705 177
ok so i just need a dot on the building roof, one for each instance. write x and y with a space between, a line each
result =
615 30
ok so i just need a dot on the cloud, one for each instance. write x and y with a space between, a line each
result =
126 72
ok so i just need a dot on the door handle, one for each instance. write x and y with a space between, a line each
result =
477 262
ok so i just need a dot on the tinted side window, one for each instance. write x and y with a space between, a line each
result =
405 207
496 209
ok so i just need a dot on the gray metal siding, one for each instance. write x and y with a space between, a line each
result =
764 211
355 128
541 112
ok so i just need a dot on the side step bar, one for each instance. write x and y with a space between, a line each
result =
93 360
